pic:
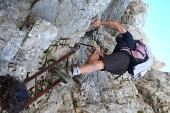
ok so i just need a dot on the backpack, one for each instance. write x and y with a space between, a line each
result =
141 59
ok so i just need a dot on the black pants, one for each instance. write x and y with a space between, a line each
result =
116 63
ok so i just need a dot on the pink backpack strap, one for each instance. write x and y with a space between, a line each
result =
138 41
127 49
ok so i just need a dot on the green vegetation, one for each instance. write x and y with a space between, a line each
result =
140 111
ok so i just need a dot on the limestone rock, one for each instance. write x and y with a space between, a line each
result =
30 54
17 13
133 106
155 91
116 9
46 9
73 14
157 64
6 3
106 41
11 18
11 39
101 94
69 19
135 14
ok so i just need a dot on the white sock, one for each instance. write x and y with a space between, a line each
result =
76 71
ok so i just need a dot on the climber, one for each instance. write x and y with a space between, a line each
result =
13 94
120 60
116 63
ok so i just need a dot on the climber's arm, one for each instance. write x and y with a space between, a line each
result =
111 23
114 24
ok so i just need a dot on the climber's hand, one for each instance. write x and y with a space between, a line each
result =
98 52
96 23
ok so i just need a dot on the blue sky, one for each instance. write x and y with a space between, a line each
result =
157 28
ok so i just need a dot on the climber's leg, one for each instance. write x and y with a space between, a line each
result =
88 68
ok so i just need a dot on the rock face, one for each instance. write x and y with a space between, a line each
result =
135 14
100 93
11 38
134 18
155 91
73 14
116 9
6 3
29 55
17 13
30 27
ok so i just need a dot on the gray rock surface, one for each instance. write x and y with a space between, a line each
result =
106 41
73 14
11 39
31 52
6 3
17 13
135 14
100 93
46 9
155 91
65 21
116 9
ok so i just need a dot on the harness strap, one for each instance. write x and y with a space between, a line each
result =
117 77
